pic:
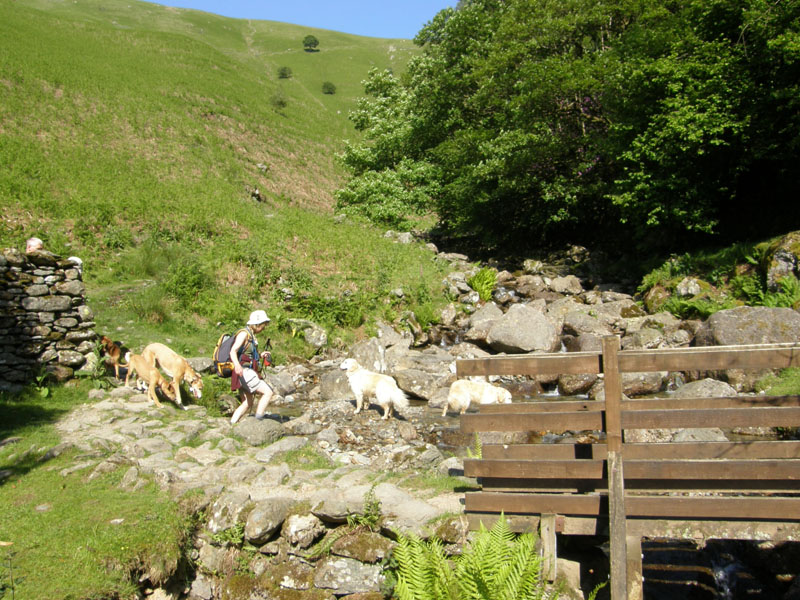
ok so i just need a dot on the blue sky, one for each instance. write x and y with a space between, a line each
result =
372 18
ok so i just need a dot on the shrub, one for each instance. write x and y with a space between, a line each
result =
284 73
328 88
484 282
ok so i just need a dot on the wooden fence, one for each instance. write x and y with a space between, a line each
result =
700 490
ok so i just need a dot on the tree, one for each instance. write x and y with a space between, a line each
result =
328 88
284 73
526 124
310 43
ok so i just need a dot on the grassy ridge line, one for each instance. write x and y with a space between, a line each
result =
102 98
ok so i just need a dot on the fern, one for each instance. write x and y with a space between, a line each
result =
484 282
496 565
477 452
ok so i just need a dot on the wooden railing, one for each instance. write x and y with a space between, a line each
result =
735 489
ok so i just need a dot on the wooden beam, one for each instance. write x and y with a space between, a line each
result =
547 535
752 356
554 405
733 469
643 451
762 416
767 508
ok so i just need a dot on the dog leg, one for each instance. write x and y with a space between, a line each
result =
359 403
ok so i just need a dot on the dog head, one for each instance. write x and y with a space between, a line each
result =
349 365
196 387
108 345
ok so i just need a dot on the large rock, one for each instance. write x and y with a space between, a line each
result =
481 321
523 329
259 432
267 516
784 260
750 325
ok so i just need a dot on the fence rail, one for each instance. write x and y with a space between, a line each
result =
703 489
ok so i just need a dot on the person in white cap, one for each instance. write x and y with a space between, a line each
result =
246 365
33 244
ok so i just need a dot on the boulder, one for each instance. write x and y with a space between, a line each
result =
523 329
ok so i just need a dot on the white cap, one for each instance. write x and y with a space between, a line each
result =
257 317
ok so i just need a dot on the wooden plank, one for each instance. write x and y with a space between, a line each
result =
550 469
774 531
752 356
579 421
726 418
550 406
704 470
767 508
530 364
584 486
674 450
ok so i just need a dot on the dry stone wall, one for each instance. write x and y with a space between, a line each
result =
45 322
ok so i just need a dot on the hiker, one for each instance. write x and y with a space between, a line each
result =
246 364
33 244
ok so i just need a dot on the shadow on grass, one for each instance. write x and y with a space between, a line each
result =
23 415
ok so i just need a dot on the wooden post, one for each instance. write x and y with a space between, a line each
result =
616 482
547 533
634 549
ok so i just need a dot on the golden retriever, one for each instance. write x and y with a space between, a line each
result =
138 365
174 366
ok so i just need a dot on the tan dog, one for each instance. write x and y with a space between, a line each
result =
174 366
147 372
465 391
114 352
382 387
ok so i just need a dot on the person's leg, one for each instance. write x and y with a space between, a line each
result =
265 395
244 407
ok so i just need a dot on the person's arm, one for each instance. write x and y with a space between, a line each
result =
240 339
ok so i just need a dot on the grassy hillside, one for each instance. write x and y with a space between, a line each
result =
134 136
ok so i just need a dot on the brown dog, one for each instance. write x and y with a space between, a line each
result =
174 366
139 366
113 351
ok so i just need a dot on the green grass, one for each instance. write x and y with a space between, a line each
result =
71 537
133 136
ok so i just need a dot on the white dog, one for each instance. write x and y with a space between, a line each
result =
366 383
464 391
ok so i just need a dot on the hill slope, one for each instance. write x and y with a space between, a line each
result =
135 135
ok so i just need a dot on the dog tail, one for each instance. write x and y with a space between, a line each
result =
399 399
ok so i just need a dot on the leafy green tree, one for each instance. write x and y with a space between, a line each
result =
284 73
310 43
328 88
531 123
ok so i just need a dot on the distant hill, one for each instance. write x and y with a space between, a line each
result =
111 102
162 147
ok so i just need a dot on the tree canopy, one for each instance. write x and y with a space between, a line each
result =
310 43
526 123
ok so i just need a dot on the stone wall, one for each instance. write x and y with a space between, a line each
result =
44 320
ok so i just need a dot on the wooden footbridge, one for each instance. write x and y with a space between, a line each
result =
687 490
